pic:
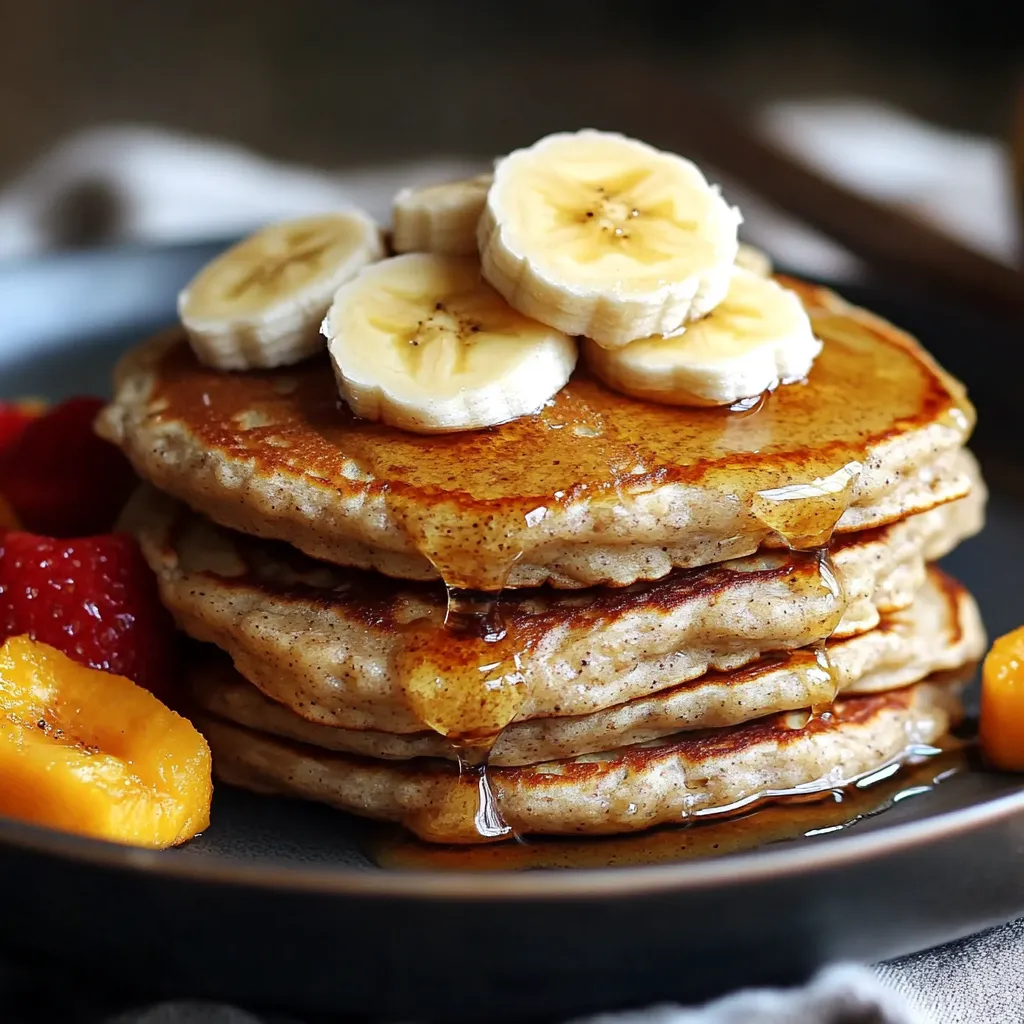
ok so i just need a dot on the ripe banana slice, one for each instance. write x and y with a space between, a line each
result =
758 337
600 235
421 342
260 304
439 218
755 260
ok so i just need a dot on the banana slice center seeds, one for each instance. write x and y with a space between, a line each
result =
442 339
295 257
612 219
611 214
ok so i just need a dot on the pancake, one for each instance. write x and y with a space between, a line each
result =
597 488
622 790
331 643
942 630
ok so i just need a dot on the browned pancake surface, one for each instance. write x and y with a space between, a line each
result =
595 488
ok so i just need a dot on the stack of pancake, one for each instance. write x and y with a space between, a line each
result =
651 613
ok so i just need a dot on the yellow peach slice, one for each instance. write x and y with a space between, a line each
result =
90 752
1001 725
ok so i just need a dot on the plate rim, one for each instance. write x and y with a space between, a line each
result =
732 869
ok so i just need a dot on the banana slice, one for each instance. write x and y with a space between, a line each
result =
421 342
604 236
749 257
440 218
260 304
760 336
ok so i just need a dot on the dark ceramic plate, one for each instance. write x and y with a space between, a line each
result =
283 905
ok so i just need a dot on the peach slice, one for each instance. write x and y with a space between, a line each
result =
89 752
1001 728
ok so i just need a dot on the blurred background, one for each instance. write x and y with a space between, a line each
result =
335 83
346 86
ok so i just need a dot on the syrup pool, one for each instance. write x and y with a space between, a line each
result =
783 818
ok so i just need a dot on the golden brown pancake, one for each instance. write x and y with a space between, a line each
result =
597 488
940 631
338 645
625 790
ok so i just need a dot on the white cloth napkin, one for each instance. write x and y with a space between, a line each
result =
840 995
959 182
129 183
139 184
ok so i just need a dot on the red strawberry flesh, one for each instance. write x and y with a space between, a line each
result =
14 419
60 478
95 599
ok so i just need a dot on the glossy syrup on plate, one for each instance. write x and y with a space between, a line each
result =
782 819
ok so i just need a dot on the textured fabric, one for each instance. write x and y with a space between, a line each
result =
844 994
979 980
974 981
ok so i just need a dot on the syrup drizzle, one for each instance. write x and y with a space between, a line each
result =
805 517
827 574
465 680
867 386
783 818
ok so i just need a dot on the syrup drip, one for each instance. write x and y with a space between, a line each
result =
805 516
487 820
463 679
749 406
827 574
823 708
783 818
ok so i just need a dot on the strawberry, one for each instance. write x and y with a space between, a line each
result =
95 599
60 478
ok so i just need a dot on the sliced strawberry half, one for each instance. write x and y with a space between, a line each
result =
60 478
95 599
